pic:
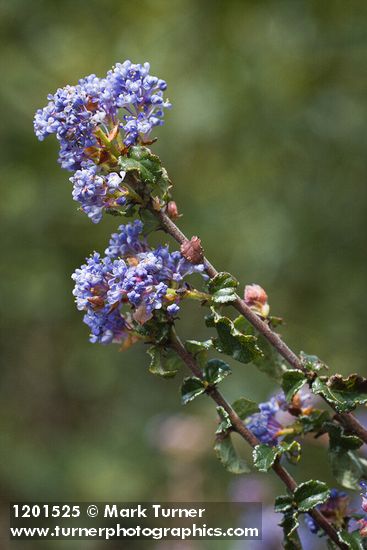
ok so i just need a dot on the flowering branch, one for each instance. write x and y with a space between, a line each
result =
347 419
247 435
134 291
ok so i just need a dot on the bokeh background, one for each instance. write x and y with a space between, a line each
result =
266 147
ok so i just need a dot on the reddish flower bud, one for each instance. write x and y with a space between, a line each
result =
192 250
172 210
257 299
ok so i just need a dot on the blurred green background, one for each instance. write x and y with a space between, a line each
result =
266 146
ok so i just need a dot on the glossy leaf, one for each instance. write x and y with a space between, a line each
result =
242 347
215 371
245 407
292 382
342 393
163 362
227 454
310 494
192 387
353 540
223 288
225 422
264 457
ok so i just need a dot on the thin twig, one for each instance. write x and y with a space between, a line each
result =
249 437
347 419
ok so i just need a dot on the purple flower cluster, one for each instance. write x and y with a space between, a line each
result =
264 424
74 113
335 509
128 284
97 192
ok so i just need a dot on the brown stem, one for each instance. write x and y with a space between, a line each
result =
248 436
347 419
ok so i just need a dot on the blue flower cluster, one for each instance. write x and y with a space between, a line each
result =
97 192
264 424
127 285
128 97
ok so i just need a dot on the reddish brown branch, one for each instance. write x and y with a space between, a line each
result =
347 419
249 437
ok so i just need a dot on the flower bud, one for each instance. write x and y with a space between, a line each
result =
192 250
256 298
172 210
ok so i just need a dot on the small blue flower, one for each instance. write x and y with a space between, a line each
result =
96 192
264 424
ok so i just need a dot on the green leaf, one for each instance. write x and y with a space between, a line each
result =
245 407
264 457
292 382
338 439
314 421
145 172
283 503
150 221
225 423
270 362
353 540
290 524
346 465
192 387
312 362
163 362
344 394
199 350
347 468
227 455
231 341
223 288
292 450
310 494
215 371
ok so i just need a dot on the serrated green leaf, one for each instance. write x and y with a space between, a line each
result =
338 439
242 347
199 350
292 382
310 494
225 422
227 455
149 177
215 371
191 387
163 362
312 362
223 288
222 280
283 503
224 296
353 540
342 393
290 524
264 456
245 407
